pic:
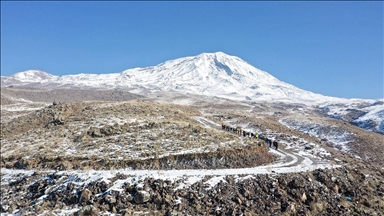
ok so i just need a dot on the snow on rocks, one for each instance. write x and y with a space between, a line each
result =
366 114
333 135
213 193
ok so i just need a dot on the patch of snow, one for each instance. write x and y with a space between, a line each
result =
206 122
183 101
214 181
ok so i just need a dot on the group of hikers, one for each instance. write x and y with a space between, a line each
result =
239 131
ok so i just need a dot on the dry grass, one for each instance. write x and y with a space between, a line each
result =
119 132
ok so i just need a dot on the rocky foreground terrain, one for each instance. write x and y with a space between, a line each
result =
344 191
167 155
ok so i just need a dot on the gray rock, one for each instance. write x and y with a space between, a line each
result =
110 199
173 213
88 210
85 196
141 197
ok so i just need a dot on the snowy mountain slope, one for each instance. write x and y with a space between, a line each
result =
210 74
33 76
218 74
367 114
28 77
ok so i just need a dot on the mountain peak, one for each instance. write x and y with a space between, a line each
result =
218 53
32 75
215 55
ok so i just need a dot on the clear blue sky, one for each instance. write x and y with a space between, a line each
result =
331 48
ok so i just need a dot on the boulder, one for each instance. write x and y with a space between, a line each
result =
308 147
141 197
110 199
297 182
173 213
304 197
85 196
88 210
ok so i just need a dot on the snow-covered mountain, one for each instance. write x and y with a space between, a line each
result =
36 78
211 74
33 76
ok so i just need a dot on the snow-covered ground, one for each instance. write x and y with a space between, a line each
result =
22 107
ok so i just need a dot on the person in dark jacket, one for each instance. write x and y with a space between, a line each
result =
268 141
275 144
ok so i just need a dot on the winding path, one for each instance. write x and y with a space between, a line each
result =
289 159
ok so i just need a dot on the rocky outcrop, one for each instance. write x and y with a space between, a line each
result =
236 158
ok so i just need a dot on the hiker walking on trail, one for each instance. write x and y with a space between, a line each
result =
268 141
275 144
